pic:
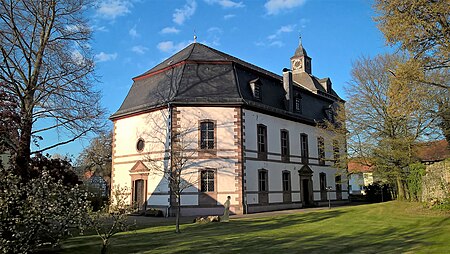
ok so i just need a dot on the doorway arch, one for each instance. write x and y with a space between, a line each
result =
306 186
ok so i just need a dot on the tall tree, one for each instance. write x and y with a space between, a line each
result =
422 28
46 64
97 157
387 116
177 163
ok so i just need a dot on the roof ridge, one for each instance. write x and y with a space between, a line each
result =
242 62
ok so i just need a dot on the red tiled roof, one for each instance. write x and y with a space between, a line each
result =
433 151
359 165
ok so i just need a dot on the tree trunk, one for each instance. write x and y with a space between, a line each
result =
177 223
400 189
23 150
104 247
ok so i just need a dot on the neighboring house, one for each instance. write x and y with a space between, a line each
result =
360 176
251 134
96 183
431 152
436 181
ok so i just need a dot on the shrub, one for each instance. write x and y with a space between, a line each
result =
378 192
38 213
153 213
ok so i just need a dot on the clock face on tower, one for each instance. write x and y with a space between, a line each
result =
297 64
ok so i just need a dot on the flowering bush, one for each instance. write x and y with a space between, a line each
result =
38 213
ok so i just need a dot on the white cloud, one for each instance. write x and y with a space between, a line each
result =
99 28
104 57
226 3
214 34
277 43
133 32
280 31
229 16
180 15
169 30
170 47
111 9
73 28
139 49
78 58
303 22
274 7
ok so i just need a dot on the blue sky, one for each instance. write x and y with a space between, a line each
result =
132 36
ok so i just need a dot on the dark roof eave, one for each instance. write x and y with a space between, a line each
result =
279 113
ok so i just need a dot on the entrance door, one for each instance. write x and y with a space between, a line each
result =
305 191
139 195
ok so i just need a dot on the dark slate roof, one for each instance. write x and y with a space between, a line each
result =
300 51
199 74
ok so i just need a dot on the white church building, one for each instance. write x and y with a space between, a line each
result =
244 132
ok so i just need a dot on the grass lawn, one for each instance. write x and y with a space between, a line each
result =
392 227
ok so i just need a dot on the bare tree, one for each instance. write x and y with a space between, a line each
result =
9 121
386 116
176 164
111 219
46 64
97 157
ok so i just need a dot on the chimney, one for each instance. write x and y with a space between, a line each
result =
287 84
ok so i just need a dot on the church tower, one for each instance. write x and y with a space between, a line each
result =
300 62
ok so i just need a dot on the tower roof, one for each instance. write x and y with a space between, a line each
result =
300 51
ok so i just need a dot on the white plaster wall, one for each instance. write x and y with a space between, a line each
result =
224 162
158 200
356 180
252 199
368 178
274 125
153 128
189 199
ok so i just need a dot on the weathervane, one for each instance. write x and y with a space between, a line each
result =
195 37
299 38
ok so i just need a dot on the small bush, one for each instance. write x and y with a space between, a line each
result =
153 213
440 204
378 193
